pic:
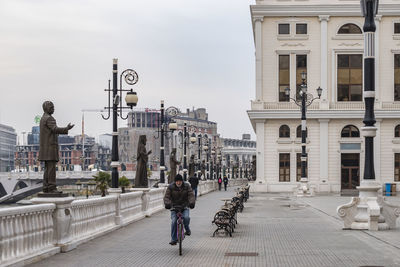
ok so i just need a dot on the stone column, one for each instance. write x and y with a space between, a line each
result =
259 53
324 103
377 149
260 132
323 150
378 101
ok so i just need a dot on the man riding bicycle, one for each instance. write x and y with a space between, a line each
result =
179 194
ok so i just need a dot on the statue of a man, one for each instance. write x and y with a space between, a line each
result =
142 159
191 166
173 163
48 149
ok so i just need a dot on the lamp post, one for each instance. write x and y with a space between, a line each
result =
305 100
184 152
164 128
131 78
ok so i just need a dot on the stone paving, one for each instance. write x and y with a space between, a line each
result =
284 231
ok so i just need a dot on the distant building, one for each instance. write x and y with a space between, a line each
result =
33 137
237 154
105 140
147 121
8 141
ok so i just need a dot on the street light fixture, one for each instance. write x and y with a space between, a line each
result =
164 128
305 100
130 76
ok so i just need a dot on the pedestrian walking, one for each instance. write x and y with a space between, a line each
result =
194 182
225 182
219 183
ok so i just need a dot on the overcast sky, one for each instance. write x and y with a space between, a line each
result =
191 53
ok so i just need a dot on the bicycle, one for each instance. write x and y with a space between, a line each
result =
180 232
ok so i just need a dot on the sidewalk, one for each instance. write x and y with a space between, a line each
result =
283 231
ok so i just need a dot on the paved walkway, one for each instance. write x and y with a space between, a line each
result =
283 231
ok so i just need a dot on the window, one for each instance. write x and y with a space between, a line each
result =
284 167
284 76
298 131
397 28
301 28
298 167
284 28
349 78
349 28
350 131
284 131
397 167
397 131
301 66
397 77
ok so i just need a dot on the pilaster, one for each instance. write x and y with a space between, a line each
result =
260 132
258 45
324 103
323 149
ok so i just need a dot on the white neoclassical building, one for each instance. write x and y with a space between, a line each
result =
324 39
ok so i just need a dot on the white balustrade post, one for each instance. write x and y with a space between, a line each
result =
62 219
117 192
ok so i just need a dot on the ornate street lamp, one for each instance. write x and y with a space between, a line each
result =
130 77
164 128
305 100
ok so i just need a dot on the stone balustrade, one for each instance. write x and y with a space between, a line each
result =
91 217
26 231
30 233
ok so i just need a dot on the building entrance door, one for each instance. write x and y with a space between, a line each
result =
350 172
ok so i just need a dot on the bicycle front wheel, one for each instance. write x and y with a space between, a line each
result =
180 228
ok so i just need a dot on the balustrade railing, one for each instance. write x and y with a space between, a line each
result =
131 206
25 230
92 215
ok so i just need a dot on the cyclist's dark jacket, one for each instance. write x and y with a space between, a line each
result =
179 196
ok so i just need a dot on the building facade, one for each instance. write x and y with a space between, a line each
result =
8 141
324 39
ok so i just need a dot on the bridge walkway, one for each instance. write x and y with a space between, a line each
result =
283 231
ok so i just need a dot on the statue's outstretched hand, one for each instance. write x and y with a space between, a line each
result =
70 126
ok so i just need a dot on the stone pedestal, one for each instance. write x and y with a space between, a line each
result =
117 192
369 211
62 219
303 189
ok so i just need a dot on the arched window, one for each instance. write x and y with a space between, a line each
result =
397 131
298 131
350 131
284 131
350 28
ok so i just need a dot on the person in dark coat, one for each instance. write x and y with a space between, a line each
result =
179 194
194 182
48 146
225 182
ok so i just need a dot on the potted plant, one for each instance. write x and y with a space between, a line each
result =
103 180
123 182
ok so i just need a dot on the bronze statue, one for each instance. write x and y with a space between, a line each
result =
172 165
203 169
191 166
141 167
48 149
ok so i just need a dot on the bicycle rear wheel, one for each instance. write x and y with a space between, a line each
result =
180 238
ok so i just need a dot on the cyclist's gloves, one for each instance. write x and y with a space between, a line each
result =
168 206
191 206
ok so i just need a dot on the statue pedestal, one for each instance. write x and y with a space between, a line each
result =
61 219
369 211
303 189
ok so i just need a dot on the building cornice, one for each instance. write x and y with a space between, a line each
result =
260 11
255 115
